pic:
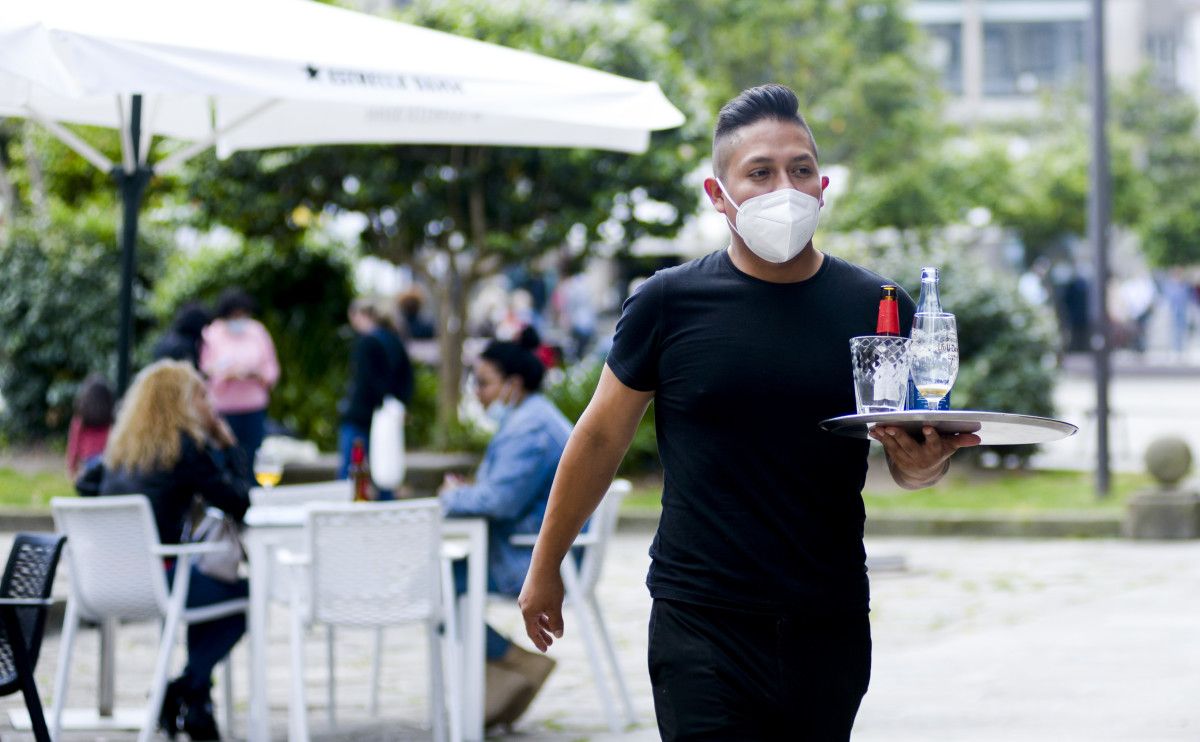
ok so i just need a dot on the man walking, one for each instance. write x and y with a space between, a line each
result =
759 624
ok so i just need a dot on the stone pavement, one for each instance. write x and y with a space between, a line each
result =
974 640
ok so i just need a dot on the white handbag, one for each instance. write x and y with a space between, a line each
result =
386 449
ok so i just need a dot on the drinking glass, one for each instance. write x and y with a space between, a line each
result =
268 470
933 355
880 372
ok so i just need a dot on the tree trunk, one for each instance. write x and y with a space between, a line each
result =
452 292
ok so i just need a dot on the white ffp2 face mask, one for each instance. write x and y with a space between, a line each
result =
776 226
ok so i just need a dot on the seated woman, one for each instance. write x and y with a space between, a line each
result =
511 490
170 445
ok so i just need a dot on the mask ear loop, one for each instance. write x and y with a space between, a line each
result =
736 208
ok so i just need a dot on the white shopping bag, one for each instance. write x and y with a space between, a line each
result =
387 444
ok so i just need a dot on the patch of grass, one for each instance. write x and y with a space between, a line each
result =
1013 492
32 490
978 490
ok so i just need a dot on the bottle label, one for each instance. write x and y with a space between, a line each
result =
888 321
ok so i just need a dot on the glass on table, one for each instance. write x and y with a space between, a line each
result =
268 469
934 355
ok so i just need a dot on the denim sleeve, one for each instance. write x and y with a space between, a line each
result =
506 488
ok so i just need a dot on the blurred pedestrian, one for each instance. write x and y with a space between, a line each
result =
417 325
182 340
1177 292
90 424
238 357
379 367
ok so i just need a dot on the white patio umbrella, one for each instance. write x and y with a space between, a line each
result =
247 74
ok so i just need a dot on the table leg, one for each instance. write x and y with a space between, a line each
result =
473 633
259 556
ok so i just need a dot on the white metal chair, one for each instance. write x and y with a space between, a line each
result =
580 577
370 566
116 568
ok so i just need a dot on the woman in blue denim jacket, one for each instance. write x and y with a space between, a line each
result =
511 489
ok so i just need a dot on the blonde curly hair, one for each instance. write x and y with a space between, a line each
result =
159 405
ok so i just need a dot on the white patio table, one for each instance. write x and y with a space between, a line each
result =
269 527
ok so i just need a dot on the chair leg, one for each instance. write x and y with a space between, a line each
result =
376 665
331 686
297 706
227 694
611 653
437 683
24 668
591 642
162 664
66 646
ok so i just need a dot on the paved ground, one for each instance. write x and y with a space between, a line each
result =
974 640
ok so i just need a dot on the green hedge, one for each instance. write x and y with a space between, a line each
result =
303 292
573 392
58 312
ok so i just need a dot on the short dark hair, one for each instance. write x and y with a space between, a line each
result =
95 402
516 357
235 300
771 101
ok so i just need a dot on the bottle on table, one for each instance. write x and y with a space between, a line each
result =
360 475
929 302
888 321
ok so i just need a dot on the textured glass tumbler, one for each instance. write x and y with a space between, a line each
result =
880 372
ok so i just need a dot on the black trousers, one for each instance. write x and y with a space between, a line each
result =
728 675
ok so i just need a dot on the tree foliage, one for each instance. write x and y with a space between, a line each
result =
58 310
458 214
1165 128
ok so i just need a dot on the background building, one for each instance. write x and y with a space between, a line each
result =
997 56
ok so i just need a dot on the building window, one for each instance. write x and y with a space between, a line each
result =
1022 58
945 54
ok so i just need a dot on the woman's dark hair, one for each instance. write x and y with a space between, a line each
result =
94 402
191 319
517 358
235 300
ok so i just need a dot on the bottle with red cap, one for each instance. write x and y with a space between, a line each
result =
888 321
359 473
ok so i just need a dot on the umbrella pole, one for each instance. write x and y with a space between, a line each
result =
132 186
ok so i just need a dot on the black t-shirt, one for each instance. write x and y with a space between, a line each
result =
762 510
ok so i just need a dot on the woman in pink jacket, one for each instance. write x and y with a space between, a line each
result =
238 358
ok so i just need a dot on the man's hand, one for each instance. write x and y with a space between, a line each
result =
916 465
541 602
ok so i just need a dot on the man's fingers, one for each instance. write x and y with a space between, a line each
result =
553 622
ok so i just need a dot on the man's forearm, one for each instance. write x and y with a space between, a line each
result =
587 467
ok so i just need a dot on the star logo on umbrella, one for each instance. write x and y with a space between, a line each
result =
312 72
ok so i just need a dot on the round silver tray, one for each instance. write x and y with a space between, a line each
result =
993 428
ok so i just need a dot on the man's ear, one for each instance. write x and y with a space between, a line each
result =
713 190
824 185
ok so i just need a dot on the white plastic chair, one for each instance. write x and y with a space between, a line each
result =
338 490
370 566
116 568
580 578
